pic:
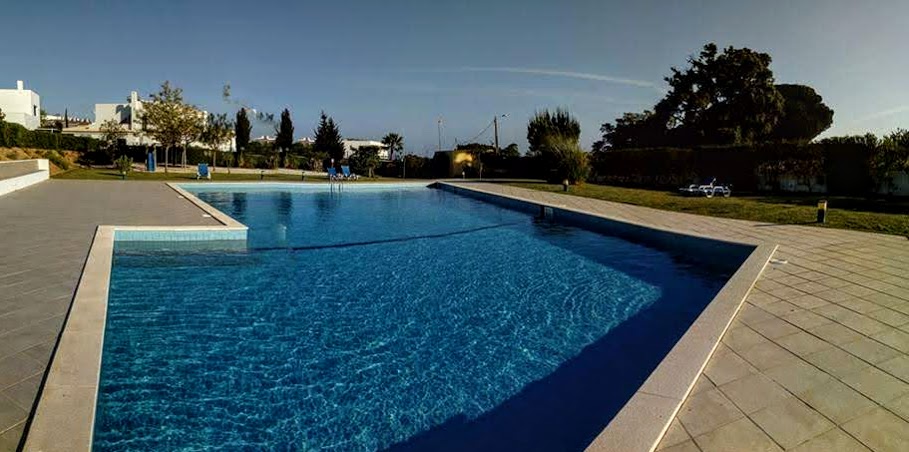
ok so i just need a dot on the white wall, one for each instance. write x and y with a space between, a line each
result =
351 146
18 174
21 107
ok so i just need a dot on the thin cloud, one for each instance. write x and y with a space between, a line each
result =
569 74
884 113
559 95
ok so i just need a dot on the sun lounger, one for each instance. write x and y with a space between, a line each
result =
203 172
345 170
708 188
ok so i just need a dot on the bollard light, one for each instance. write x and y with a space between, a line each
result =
822 211
261 174
565 185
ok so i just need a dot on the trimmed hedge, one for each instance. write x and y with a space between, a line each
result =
15 135
843 167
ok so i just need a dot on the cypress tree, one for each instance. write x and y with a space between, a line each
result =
284 136
328 138
243 130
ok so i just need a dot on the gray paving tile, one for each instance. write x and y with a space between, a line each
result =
45 237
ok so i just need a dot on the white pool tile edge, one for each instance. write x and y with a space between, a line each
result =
64 417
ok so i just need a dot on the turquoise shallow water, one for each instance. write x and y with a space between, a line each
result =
410 319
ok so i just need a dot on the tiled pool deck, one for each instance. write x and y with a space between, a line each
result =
45 233
816 360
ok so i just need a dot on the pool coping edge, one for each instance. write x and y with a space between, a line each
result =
65 410
645 418
63 417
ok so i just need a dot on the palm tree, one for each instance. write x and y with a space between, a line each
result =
394 142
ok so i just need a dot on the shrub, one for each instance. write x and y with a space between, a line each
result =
124 164
15 135
57 159
569 159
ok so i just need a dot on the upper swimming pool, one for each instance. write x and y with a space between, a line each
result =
384 317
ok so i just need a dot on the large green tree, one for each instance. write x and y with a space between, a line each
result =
284 136
242 130
545 124
111 134
804 114
722 98
394 142
328 138
171 122
218 131
365 160
510 151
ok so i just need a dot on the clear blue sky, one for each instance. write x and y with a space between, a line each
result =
397 66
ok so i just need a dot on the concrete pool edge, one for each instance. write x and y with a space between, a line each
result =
66 408
642 422
645 418
64 415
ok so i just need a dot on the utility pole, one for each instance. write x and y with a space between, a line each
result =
495 126
495 123
440 134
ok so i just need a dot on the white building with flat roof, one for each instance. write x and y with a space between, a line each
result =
129 116
21 106
353 145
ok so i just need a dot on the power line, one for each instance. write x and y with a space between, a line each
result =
473 140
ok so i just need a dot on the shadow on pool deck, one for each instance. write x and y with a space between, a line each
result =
567 409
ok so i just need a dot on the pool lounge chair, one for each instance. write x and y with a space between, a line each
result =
347 174
203 172
333 174
708 188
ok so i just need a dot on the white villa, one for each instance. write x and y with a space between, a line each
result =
21 106
129 116
353 145
264 139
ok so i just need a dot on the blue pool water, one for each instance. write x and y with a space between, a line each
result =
384 318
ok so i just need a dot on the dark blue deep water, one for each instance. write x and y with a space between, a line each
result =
384 318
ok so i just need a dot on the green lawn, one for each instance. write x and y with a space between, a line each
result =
221 175
889 217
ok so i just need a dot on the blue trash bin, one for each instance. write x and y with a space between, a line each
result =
150 162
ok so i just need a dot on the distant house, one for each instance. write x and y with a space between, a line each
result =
53 120
264 139
21 106
129 116
353 145
456 163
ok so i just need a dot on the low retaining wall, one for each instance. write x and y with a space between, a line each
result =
18 174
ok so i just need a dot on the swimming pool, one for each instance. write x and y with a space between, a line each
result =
397 317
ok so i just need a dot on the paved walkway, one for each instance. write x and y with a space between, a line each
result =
818 357
45 233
